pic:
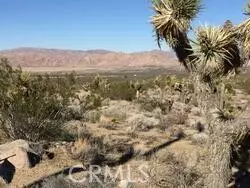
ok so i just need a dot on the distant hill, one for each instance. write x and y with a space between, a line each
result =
36 59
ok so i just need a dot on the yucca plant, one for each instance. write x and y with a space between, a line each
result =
212 56
214 52
171 23
244 33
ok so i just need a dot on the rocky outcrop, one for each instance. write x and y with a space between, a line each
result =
16 155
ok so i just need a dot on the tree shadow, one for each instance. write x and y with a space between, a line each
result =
7 171
65 172
242 179
33 159
159 147
126 157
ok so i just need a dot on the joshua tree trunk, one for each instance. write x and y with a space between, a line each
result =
222 96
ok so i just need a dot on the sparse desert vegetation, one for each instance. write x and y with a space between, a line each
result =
186 130
90 128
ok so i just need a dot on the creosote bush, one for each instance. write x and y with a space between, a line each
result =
121 90
32 107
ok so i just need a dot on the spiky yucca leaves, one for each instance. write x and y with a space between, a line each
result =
216 52
223 115
171 23
243 31
244 35
247 9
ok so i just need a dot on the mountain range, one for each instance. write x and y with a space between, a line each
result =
50 60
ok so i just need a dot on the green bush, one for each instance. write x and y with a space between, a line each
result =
121 90
156 98
31 107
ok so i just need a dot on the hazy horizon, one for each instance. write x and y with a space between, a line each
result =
121 26
87 50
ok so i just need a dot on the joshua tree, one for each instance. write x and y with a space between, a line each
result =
138 87
214 54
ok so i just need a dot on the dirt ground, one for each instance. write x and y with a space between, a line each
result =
118 133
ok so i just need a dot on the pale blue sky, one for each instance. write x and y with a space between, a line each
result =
120 25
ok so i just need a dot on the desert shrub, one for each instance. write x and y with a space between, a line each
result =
172 80
200 138
117 90
80 105
121 91
95 150
92 101
156 98
142 122
89 150
93 116
31 107
174 118
169 121
170 171
119 110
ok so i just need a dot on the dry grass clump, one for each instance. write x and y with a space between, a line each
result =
93 150
171 172
172 119
200 138
89 150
